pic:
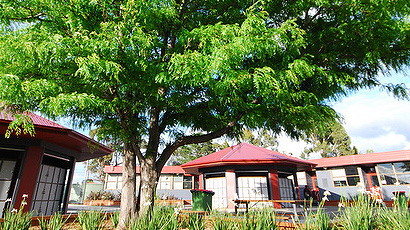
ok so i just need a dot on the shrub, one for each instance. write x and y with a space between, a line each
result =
104 195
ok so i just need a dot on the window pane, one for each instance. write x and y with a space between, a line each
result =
404 178
339 183
385 168
6 169
402 167
178 185
353 180
187 185
111 185
187 178
178 177
375 181
351 171
388 179
338 172
165 185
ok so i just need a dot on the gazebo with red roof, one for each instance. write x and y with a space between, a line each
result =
42 165
247 172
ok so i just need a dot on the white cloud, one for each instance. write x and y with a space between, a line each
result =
375 120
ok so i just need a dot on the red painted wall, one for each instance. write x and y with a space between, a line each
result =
201 181
28 179
274 181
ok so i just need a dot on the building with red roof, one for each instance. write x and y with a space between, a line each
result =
346 176
247 172
42 165
242 171
173 182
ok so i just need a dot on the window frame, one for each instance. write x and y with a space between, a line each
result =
395 173
345 176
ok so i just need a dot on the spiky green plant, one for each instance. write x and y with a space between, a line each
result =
56 222
17 219
360 214
160 218
259 220
115 217
316 220
396 218
91 220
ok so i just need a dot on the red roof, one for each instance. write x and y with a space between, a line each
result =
165 169
85 148
245 154
363 159
37 120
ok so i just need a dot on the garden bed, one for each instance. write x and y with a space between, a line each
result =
102 202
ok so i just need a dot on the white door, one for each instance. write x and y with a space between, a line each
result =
252 188
218 185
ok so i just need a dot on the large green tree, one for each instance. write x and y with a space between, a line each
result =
178 72
333 141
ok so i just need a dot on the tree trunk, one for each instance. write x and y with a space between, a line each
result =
149 181
128 196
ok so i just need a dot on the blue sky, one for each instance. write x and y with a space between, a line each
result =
372 118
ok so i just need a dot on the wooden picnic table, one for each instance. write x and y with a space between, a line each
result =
293 202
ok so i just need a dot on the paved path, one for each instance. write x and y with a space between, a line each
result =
76 208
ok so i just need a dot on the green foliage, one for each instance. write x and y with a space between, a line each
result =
262 138
115 219
91 220
162 218
318 219
224 222
360 214
196 222
17 219
397 217
333 141
174 73
104 195
259 220
194 151
56 222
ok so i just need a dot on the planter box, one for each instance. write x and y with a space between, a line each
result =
170 202
101 202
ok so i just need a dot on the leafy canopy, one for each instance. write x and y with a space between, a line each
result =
155 69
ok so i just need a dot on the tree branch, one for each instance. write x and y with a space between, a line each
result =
186 140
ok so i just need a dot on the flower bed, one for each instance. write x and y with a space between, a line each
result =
102 202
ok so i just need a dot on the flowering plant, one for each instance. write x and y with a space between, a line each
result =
203 190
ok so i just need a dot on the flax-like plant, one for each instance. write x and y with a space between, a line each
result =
316 220
160 218
115 219
360 214
396 218
196 222
259 220
17 219
56 222
224 222
91 220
